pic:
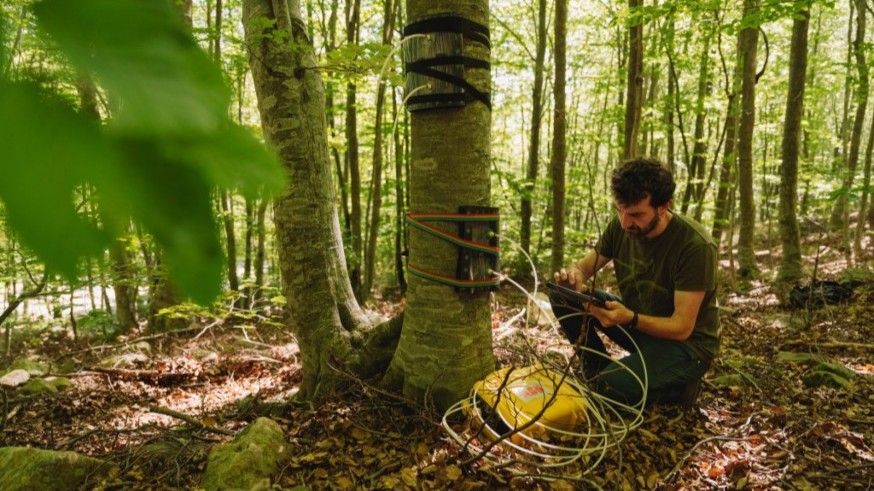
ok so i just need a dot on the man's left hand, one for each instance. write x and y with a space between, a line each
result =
613 313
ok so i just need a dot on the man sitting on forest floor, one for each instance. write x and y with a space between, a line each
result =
665 266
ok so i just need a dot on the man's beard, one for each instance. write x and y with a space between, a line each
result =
635 232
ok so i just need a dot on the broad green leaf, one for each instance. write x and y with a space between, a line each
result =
233 159
172 200
159 80
46 150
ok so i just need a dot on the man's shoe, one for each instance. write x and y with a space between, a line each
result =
690 393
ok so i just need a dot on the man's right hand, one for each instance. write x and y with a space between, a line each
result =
572 278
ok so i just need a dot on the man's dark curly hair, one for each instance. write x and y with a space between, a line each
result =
635 179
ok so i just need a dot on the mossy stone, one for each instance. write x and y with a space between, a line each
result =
821 378
32 468
33 366
792 357
39 386
61 383
249 461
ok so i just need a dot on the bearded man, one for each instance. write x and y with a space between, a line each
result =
665 266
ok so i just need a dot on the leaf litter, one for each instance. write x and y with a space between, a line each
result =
765 429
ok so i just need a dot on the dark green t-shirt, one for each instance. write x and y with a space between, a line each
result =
649 271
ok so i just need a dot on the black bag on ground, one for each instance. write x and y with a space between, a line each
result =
819 293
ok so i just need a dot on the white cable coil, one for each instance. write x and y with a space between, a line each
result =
605 422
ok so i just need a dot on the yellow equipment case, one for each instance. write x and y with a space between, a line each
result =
507 400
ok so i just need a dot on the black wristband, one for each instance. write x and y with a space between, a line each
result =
633 323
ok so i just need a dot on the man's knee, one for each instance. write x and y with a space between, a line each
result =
618 383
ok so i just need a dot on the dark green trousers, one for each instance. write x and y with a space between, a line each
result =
670 365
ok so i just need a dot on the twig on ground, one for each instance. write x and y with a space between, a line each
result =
188 419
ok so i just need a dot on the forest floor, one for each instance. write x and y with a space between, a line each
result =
766 430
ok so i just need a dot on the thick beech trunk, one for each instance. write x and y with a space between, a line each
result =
325 317
446 342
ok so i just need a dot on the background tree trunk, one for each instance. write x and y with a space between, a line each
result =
353 16
747 44
840 212
790 262
537 105
559 129
634 97
446 341
376 179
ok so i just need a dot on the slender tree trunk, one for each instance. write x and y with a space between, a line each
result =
400 200
446 342
376 179
748 43
559 129
695 182
352 156
669 102
840 212
260 247
537 104
325 318
866 195
247 240
123 276
162 292
790 263
230 239
634 98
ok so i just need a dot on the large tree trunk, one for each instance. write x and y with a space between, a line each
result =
446 342
634 99
747 44
325 317
790 263
559 129
536 120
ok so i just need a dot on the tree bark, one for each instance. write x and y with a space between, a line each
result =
559 129
376 177
325 318
840 212
634 98
123 278
721 216
790 262
352 156
537 105
695 182
230 239
748 44
446 341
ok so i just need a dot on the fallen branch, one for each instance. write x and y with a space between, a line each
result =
153 376
691 451
188 419
132 341
830 344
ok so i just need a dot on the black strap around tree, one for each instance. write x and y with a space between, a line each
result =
451 23
467 29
